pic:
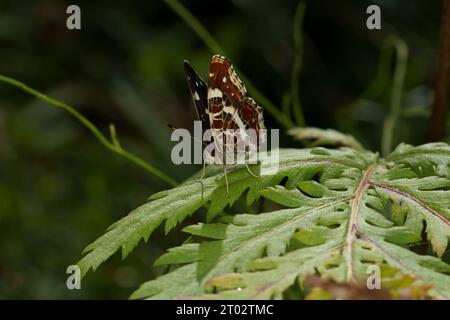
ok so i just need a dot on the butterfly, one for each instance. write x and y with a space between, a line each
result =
225 109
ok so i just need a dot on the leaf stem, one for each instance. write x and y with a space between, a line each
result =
390 122
112 145
113 135
378 84
295 78
214 47
436 129
192 22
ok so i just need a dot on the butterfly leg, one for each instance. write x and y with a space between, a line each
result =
202 176
250 171
226 181
203 171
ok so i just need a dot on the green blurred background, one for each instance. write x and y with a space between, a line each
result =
60 189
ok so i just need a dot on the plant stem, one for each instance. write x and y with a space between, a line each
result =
113 135
195 25
214 47
295 79
383 73
286 102
113 145
396 96
436 127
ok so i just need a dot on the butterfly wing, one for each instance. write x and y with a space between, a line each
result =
252 116
229 107
225 93
199 91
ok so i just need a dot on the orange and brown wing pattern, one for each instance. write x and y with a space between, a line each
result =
252 115
225 93
228 106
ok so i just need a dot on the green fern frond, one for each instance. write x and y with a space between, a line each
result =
344 210
313 137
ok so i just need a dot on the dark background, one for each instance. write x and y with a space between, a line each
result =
60 188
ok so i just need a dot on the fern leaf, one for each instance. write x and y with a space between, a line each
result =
344 212
313 137
173 206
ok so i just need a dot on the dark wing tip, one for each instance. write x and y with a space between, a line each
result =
188 70
186 64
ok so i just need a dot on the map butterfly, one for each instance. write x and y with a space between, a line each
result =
224 108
